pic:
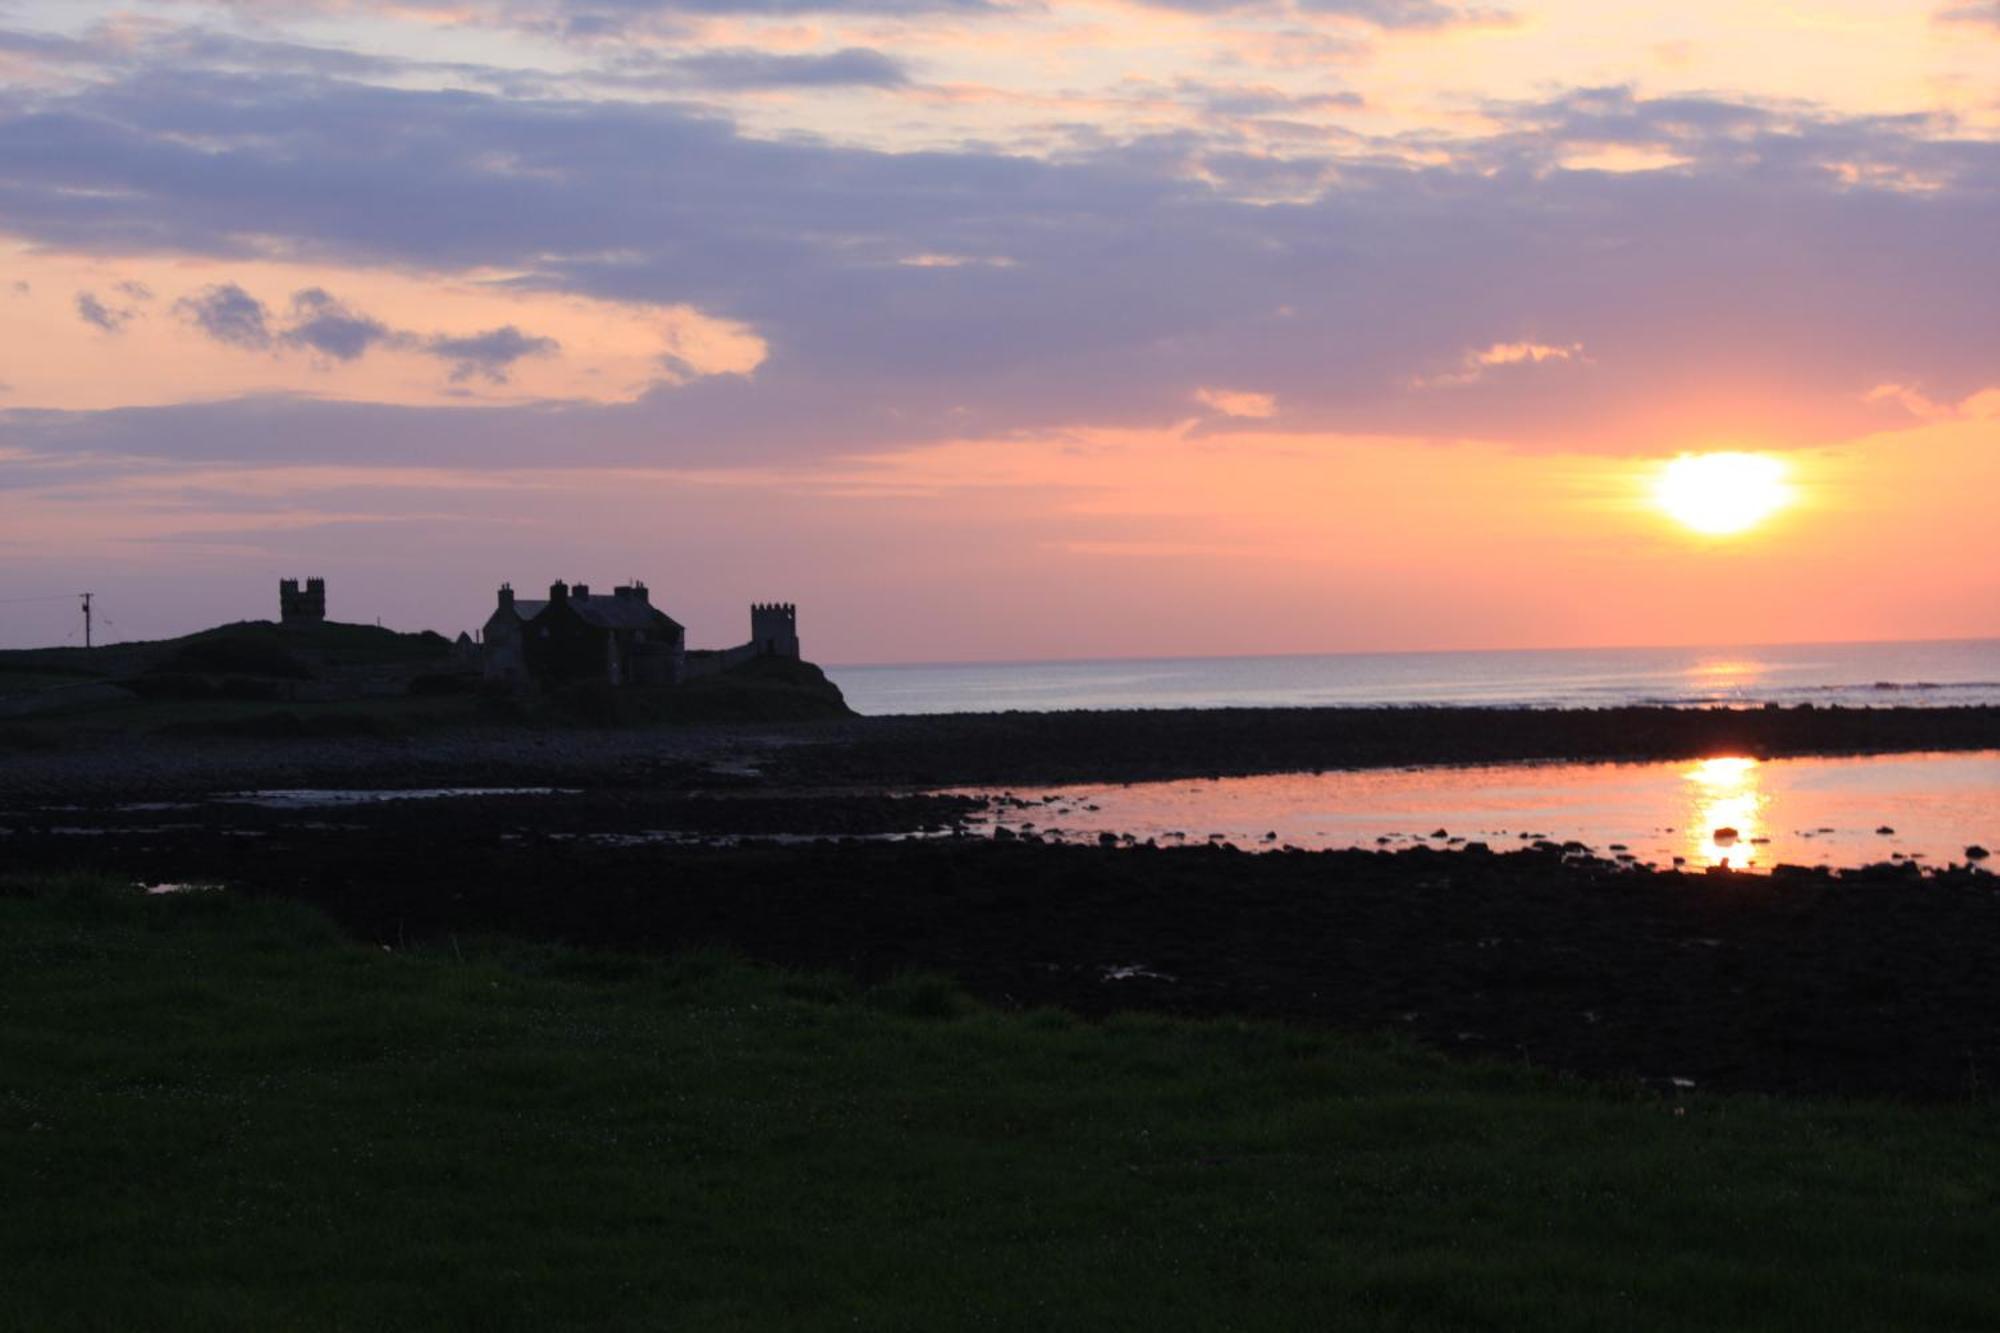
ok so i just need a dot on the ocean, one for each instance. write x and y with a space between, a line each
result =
1924 674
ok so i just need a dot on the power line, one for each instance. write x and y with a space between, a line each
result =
85 597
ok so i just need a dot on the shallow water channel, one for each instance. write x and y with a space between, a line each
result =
1737 811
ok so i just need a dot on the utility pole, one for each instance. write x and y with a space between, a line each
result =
86 618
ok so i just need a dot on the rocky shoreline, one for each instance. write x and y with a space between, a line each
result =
1874 982
972 749
967 749
821 846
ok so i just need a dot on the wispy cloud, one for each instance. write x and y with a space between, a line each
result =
1972 11
1479 362
1981 406
110 319
1382 13
850 67
1238 402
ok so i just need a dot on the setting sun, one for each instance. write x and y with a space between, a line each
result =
1719 495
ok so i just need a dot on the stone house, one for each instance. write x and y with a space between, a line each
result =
575 635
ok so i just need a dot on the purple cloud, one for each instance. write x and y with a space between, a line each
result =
94 312
323 324
735 70
490 355
1381 13
327 326
1789 257
1972 11
228 314
598 19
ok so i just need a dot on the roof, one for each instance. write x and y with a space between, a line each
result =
615 612
523 609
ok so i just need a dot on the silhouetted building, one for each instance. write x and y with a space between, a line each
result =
774 632
774 629
574 635
301 608
501 641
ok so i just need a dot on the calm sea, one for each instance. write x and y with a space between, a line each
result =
1965 671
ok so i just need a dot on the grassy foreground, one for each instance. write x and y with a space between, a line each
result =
218 1113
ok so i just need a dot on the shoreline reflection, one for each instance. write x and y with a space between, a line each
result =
1725 822
1746 813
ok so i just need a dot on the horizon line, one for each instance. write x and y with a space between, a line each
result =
1398 652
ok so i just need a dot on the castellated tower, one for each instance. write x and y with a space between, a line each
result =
301 608
774 629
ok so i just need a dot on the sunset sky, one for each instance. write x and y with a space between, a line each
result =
985 329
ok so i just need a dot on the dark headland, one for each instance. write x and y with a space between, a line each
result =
373 707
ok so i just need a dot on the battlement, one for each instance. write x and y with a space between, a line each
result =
301 608
774 629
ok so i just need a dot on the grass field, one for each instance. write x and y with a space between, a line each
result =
218 1113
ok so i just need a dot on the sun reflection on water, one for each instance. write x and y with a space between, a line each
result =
1726 675
1725 812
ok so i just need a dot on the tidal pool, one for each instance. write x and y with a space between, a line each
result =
1747 814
